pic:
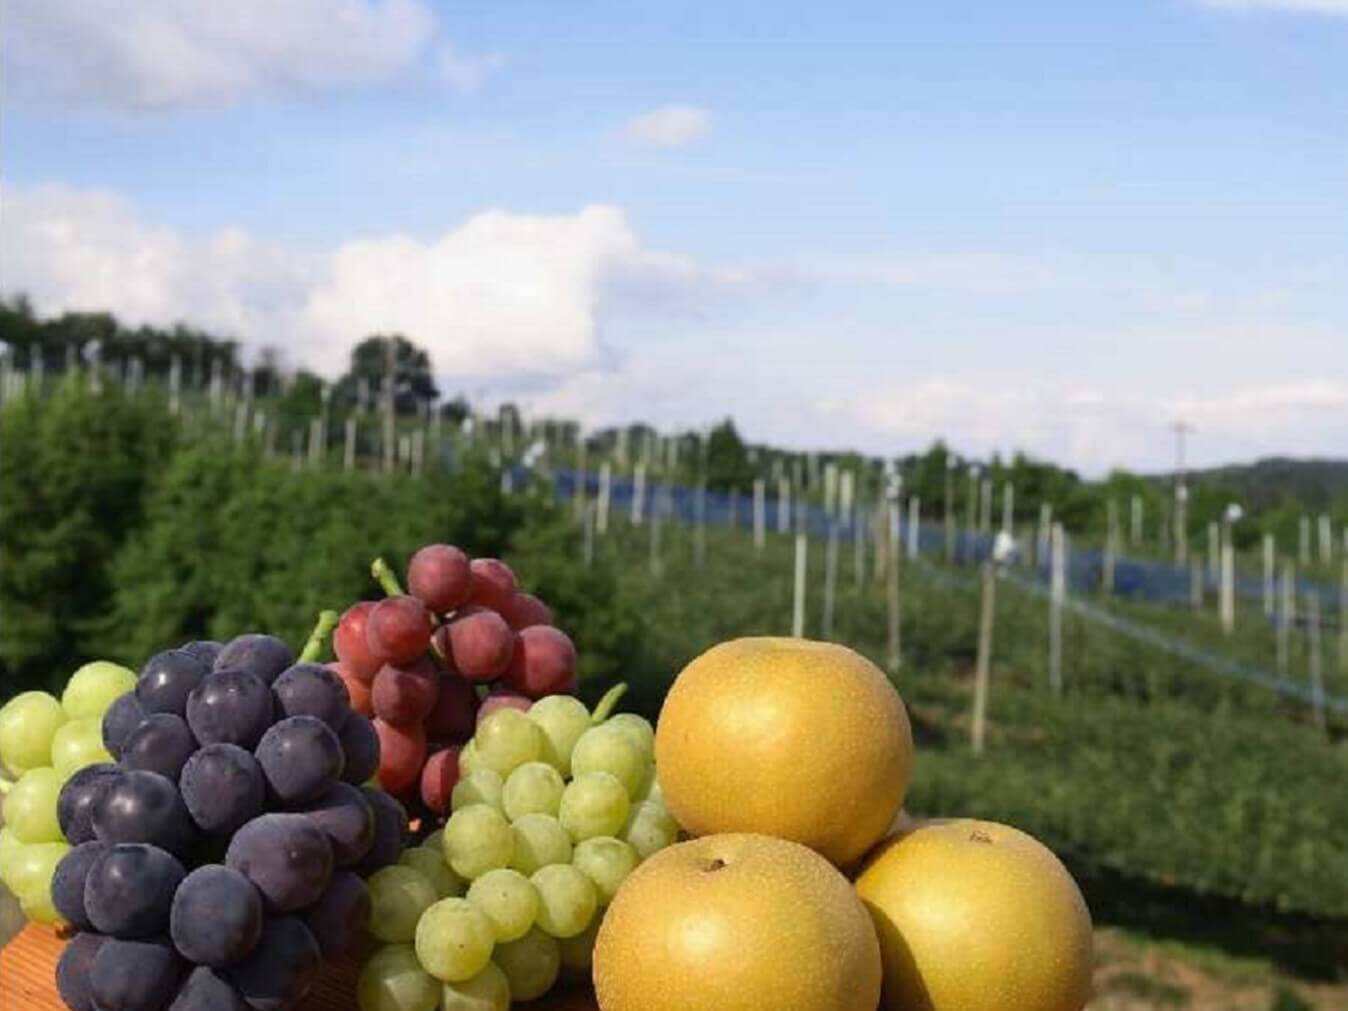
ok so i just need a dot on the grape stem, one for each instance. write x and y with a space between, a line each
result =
608 703
313 649
386 578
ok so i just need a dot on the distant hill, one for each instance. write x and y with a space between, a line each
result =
1267 483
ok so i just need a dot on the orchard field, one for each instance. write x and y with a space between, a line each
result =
1192 807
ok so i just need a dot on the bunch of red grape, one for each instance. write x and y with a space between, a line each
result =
220 860
428 664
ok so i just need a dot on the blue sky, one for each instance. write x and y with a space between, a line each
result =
1054 226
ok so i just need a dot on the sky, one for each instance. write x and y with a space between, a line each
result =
1053 227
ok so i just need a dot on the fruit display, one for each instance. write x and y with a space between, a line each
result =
554 809
428 664
738 923
977 916
215 858
741 745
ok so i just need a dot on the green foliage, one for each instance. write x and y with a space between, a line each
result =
727 459
413 383
73 472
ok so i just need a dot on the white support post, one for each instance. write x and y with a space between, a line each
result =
638 493
1057 597
1270 563
760 513
605 492
914 524
798 598
830 582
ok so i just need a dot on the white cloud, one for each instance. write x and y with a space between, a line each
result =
148 55
502 296
1330 7
669 126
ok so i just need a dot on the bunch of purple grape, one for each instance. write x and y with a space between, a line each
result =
220 861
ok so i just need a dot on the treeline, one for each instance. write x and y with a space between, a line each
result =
389 372
119 536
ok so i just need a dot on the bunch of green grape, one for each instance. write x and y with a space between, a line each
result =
553 809
43 742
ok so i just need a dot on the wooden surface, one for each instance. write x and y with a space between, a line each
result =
28 980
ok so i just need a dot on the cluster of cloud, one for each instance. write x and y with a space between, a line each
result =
501 294
669 126
152 55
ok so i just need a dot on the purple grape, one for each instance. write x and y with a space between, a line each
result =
216 918
122 717
167 679
206 990
222 788
300 758
390 832
346 818
310 689
72 970
360 747
129 890
339 918
263 655
281 968
230 707
286 856
136 806
162 743
135 975
67 884
205 650
74 807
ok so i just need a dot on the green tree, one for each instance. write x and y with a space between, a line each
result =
413 383
727 458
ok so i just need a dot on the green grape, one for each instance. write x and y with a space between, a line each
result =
539 840
30 807
607 749
652 791
431 863
76 744
398 896
469 762
530 964
533 788
507 739
27 723
567 900
478 839
562 718
9 854
434 841
393 980
650 829
578 951
483 786
508 900
636 729
30 878
454 940
594 804
93 687
606 862
489 990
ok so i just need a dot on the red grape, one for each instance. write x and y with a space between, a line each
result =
525 610
493 584
398 630
438 779
349 642
439 576
357 688
502 698
402 750
544 662
480 645
405 694
452 719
